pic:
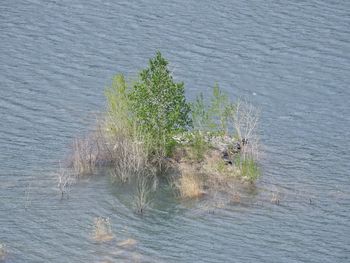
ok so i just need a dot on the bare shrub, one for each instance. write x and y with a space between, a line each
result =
92 150
64 180
102 231
245 119
85 154
3 252
129 158
275 198
146 184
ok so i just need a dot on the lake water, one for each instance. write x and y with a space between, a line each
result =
290 58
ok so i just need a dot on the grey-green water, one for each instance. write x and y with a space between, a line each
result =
291 58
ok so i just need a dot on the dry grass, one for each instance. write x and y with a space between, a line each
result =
3 252
213 175
216 166
102 231
189 185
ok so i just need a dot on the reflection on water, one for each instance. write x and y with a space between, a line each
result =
291 58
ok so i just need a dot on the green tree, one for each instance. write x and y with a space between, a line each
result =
159 103
213 116
118 109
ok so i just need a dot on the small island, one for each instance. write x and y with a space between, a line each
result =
150 132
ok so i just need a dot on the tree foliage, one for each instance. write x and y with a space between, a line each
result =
158 102
215 115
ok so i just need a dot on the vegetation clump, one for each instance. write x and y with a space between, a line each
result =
102 231
149 128
189 185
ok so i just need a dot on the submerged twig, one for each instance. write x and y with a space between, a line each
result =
65 180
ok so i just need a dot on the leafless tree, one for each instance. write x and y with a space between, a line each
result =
146 184
245 120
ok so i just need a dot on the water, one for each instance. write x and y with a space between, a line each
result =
291 58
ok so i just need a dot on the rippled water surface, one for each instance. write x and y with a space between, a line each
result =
291 58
